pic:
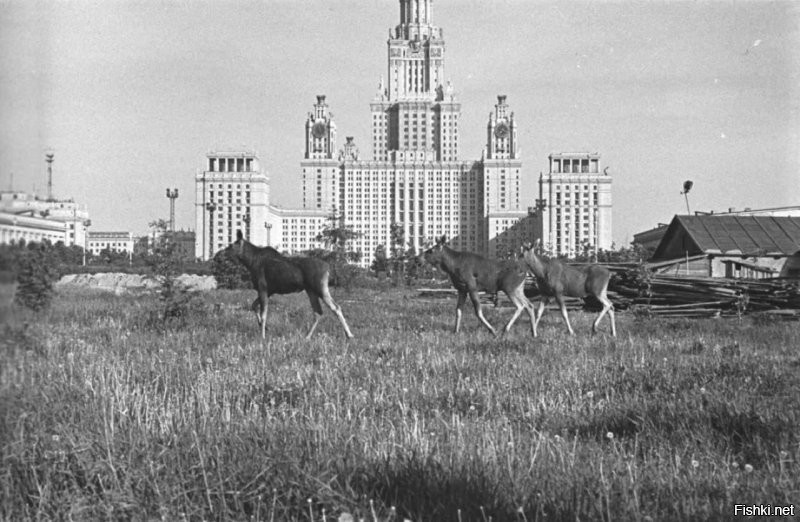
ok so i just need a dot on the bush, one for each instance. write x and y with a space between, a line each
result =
36 273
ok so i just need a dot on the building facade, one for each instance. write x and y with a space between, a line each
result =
414 181
31 229
231 193
29 217
573 211
117 242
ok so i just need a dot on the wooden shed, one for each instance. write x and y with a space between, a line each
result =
751 247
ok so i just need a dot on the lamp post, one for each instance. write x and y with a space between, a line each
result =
687 186
86 224
48 157
211 207
172 195
268 226
596 234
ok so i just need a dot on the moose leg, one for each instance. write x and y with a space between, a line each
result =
517 297
263 299
462 298
608 307
528 306
563 306
256 308
519 308
314 299
476 303
542 306
336 309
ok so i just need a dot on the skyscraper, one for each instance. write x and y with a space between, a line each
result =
413 188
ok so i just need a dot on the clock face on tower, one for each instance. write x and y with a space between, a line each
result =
318 130
501 131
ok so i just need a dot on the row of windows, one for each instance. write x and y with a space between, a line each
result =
109 245
229 186
575 188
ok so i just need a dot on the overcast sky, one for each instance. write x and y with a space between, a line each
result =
132 95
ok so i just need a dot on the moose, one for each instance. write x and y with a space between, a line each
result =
273 273
471 273
556 280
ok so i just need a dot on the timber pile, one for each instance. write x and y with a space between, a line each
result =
670 296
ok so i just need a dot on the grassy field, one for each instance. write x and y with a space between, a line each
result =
104 414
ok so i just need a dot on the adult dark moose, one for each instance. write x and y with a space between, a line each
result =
273 273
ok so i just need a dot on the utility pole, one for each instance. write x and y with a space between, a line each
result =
172 195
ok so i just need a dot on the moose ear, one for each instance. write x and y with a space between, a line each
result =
442 240
239 235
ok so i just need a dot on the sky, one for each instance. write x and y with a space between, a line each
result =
130 96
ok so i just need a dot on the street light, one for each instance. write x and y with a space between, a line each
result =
86 224
268 226
172 195
687 186
211 207
49 157
596 234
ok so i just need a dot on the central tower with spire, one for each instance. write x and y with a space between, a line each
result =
414 187
415 115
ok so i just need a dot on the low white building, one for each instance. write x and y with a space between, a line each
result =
119 242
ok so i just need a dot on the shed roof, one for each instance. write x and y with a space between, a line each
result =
730 235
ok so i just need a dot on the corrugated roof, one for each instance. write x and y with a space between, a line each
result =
747 235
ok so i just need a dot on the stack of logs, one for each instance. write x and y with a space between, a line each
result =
669 296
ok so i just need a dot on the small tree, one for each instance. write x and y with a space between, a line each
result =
336 236
380 263
165 265
397 253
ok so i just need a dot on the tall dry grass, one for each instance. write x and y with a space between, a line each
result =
105 413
